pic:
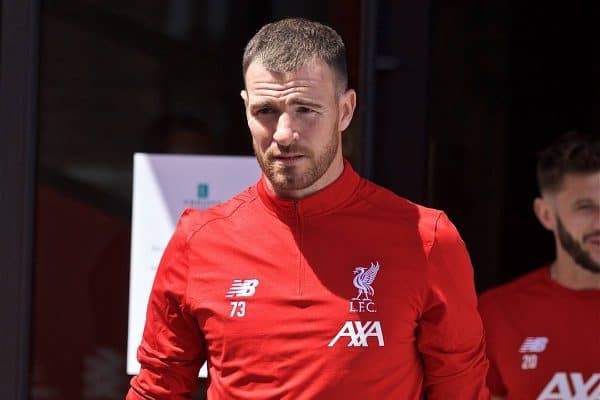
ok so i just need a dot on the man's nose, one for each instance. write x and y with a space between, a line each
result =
285 133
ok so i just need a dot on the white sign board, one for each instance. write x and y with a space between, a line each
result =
163 186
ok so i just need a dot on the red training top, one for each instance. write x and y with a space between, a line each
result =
350 293
543 340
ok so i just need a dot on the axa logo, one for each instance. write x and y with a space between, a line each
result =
571 386
534 345
358 334
242 288
363 281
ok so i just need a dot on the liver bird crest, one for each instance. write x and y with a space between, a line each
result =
363 280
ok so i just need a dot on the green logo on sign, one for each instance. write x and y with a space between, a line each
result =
202 190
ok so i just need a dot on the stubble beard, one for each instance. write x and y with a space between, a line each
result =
291 178
574 249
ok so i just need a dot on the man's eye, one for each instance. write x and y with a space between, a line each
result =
265 110
304 110
587 207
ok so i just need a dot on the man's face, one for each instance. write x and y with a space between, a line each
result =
577 218
296 120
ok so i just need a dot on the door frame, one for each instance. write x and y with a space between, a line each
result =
19 48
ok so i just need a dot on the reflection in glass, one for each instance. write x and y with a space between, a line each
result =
117 78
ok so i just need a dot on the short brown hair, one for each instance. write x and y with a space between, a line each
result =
572 153
289 44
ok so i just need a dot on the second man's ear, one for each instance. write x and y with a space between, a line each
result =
244 95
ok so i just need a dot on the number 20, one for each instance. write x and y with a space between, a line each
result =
238 309
529 361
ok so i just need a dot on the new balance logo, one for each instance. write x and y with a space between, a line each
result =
559 387
534 345
359 333
242 288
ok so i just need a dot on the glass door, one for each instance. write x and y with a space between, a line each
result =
117 78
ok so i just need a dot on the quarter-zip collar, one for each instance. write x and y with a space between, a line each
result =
320 202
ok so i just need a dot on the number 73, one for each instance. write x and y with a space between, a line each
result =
238 309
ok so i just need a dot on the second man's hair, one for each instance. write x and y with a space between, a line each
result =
572 153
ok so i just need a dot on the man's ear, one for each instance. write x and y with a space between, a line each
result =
545 213
347 107
244 95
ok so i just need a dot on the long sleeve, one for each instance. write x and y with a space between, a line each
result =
450 334
172 348
491 315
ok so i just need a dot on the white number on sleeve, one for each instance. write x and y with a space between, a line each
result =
238 309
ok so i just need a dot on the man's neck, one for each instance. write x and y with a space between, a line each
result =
567 273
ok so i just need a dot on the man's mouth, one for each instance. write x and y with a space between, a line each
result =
593 239
287 158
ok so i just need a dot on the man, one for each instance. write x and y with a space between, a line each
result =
543 329
314 283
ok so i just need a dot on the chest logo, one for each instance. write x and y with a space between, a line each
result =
530 349
359 333
571 386
363 281
242 288
534 345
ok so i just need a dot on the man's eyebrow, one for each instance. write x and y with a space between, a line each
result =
294 102
261 104
584 201
304 102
